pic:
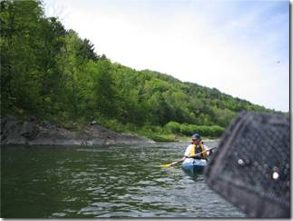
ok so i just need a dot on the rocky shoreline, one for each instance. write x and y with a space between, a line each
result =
37 133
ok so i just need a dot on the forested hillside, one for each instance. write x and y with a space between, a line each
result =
51 73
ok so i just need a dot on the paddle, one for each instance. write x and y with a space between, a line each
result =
167 165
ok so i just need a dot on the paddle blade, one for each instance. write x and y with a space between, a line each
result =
166 165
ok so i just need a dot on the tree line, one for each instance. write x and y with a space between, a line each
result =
53 74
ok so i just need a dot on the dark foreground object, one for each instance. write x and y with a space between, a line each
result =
251 168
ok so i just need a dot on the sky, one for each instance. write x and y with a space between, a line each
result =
239 47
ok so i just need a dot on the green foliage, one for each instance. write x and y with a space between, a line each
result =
52 73
189 129
212 131
104 89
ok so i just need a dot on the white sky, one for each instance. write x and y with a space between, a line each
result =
238 47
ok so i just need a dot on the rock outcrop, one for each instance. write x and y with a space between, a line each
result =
34 132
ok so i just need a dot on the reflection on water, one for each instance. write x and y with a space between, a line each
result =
104 182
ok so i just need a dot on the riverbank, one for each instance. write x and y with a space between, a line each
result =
35 132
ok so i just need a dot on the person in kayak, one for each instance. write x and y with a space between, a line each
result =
196 150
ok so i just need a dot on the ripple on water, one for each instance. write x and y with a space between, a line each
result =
106 182
59 214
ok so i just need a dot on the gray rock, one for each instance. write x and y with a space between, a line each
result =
29 132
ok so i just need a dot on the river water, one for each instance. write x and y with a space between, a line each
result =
91 182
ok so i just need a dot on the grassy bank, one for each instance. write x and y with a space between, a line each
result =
171 132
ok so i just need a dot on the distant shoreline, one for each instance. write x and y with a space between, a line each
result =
33 132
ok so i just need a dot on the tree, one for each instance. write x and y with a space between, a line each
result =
20 24
86 51
105 90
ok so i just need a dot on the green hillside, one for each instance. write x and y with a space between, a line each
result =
51 73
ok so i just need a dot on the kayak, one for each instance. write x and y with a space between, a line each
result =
194 165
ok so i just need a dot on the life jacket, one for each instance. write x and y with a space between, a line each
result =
198 149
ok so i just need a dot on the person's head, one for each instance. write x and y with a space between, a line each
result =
196 138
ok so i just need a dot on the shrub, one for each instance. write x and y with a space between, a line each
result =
172 127
189 129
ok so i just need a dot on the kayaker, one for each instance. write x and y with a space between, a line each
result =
194 148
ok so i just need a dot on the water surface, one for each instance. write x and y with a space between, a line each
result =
89 182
